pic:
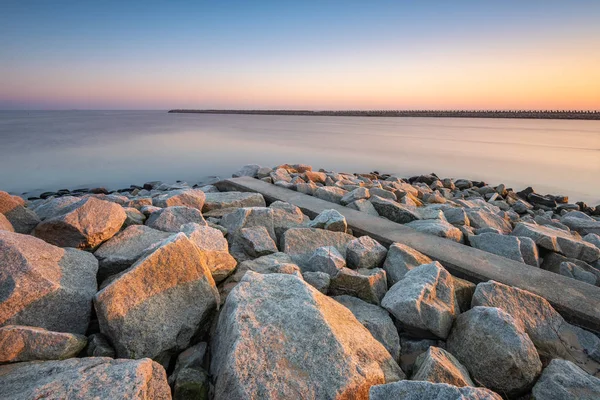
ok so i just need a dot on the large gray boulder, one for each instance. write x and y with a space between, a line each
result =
365 206
367 284
393 211
193 198
439 228
423 302
84 224
330 193
286 216
85 379
219 200
438 366
123 249
257 242
581 223
301 243
521 249
247 218
481 219
171 219
562 379
558 241
376 320
45 286
26 343
420 390
53 207
401 259
278 337
496 350
326 259
549 332
157 306
365 252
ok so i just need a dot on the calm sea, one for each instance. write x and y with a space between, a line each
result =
51 150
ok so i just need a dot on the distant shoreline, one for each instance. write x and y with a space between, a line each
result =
573 115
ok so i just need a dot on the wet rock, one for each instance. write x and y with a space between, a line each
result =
301 243
558 241
393 211
382 193
22 219
85 224
438 228
219 200
401 259
257 242
98 346
192 198
438 366
5 224
26 343
376 320
367 284
280 325
171 219
418 390
85 378
318 280
365 252
521 249
326 259
495 349
423 302
550 333
139 202
479 219
330 193
330 220
363 206
123 249
45 286
562 379
171 284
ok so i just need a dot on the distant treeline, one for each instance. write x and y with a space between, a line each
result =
531 114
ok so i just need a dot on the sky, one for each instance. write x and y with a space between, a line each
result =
535 54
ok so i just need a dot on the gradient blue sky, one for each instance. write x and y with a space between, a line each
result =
283 54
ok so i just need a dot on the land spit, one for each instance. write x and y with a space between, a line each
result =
169 290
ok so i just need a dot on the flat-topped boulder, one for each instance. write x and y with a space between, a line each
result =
219 200
26 343
84 224
125 248
193 198
154 308
521 249
420 390
393 211
562 379
45 286
273 326
171 219
439 228
85 378
438 366
301 243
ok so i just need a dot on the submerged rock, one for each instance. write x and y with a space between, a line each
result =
326 259
438 228
273 326
25 343
257 242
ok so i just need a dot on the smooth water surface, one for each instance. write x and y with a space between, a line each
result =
51 150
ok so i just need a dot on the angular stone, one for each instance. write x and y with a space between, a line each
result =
25 343
158 305
193 198
85 378
456 216
495 349
134 217
326 259
393 211
550 333
5 224
369 285
558 240
279 325
480 218
286 216
301 243
219 200
411 348
257 242
562 379
420 390
360 193
376 320
438 228
85 224
423 302
139 202
171 219
193 357
247 218
574 271
318 280
363 206
521 249
330 193
365 252
22 219
125 248
590 238
582 224
330 220
438 366
45 286
401 259
250 170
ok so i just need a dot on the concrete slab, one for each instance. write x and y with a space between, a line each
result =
577 302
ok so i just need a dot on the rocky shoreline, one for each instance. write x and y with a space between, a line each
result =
168 291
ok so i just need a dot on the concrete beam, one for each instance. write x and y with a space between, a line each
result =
577 302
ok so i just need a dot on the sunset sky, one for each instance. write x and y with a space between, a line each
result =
541 54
